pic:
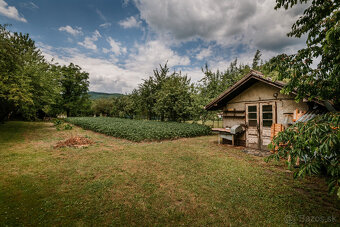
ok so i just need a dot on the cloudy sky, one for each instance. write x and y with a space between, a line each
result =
120 42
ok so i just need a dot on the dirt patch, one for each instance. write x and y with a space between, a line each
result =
77 142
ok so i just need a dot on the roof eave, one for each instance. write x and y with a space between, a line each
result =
252 74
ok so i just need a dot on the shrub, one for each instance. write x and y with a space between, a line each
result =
57 122
68 127
317 144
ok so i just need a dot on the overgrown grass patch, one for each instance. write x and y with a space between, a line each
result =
140 130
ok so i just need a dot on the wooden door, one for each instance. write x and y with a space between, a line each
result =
267 118
253 130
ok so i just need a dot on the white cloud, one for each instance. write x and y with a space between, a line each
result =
101 15
73 31
104 74
107 75
89 41
105 25
10 12
125 3
204 53
29 5
116 47
250 22
148 56
130 22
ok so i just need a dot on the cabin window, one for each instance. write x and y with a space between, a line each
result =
267 115
252 116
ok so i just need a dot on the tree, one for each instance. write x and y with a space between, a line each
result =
256 60
214 83
174 98
316 142
146 92
320 22
74 99
148 89
103 106
28 84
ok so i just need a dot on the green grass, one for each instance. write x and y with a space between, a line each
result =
140 130
190 181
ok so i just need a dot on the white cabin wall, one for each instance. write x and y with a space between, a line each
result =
262 92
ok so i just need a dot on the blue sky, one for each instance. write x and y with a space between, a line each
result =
120 42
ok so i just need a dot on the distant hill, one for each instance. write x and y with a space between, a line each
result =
99 95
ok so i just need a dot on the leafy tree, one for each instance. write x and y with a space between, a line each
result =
28 84
147 98
148 89
256 60
126 106
174 98
321 23
132 104
198 102
214 83
316 142
74 99
103 106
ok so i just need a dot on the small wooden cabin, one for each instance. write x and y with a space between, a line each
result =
255 103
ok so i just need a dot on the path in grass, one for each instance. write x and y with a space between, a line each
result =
190 181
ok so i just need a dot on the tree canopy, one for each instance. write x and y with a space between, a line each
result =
31 87
313 71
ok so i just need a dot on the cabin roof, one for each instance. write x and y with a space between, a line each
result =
248 80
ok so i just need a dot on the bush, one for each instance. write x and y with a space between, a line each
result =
57 122
140 130
317 144
68 127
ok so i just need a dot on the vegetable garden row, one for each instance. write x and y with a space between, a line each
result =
140 130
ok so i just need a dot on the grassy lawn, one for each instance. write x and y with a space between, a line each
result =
191 181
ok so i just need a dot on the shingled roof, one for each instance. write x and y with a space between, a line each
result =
248 80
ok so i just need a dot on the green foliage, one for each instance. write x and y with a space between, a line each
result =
28 84
74 98
60 124
103 106
174 100
212 85
256 60
317 144
321 23
140 130
148 90
68 127
32 88
57 122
